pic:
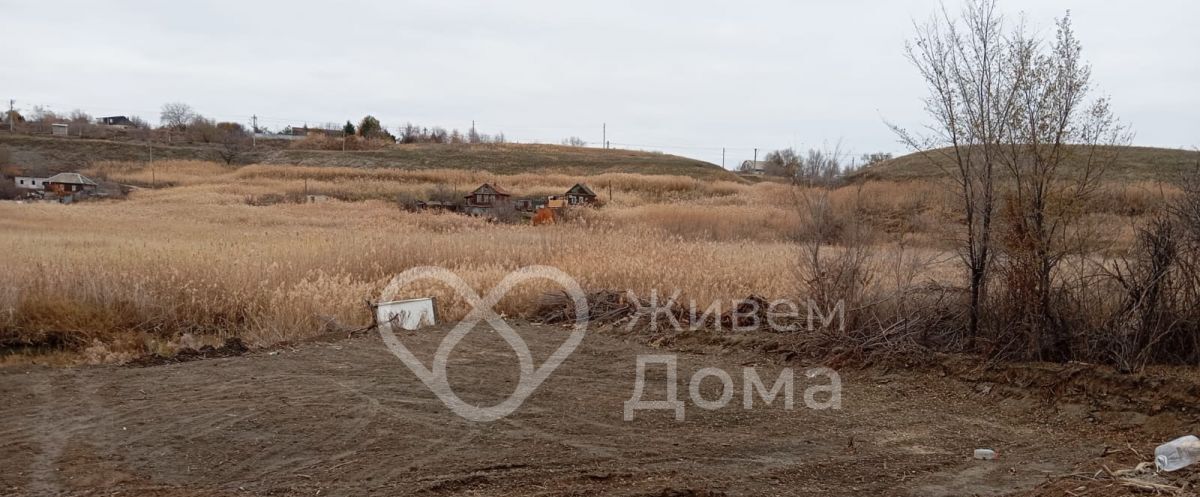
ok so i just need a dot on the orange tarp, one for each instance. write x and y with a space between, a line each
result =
545 215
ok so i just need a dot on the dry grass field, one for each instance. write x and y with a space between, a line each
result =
197 255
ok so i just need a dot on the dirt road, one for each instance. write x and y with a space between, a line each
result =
347 418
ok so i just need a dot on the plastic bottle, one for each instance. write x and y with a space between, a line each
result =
1178 453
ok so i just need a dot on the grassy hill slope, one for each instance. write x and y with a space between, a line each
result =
62 154
509 158
1132 164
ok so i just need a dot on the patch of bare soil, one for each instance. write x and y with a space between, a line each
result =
231 348
348 418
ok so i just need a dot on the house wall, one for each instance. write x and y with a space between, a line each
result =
67 188
487 199
29 182
574 199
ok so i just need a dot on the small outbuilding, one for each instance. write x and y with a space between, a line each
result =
60 129
580 194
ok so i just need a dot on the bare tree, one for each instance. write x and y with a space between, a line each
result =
834 263
177 115
783 163
574 141
820 166
438 134
78 116
138 122
973 82
1058 147
43 115
8 189
874 158
234 141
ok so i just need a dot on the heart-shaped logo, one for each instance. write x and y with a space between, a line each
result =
434 377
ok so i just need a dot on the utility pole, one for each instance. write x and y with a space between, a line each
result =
254 131
150 145
11 114
756 157
472 138
604 134
722 157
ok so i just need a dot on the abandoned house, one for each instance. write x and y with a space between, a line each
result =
68 184
117 122
488 196
62 187
580 194
755 167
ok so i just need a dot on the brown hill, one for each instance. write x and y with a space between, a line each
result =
56 154
1132 164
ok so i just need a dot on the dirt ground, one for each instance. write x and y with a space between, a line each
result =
345 417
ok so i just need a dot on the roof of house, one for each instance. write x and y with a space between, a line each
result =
581 189
488 186
70 179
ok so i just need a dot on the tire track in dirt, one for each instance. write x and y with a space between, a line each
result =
51 438
429 419
66 408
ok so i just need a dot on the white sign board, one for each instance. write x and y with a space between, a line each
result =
405 314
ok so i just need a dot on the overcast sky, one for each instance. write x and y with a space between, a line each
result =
681 77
